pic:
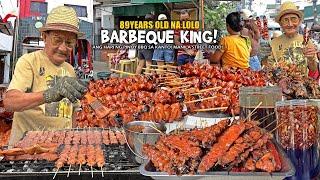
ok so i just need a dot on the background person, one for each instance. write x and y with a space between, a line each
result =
184 55
145 55
252 31
163 56
235 51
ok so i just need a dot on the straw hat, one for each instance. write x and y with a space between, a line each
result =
64 19
162 17
286 8
246 14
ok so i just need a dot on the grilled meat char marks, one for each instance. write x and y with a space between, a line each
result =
219 148
243 146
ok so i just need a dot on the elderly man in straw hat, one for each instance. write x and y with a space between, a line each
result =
44 88
289 47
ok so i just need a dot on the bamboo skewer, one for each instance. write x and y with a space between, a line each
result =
253 111
211 109
161 70
69 171
155 128
167 77
205 90
181 87
270 124
277 127
155 65
91 172
102 172
80 169
122 72
197 100
170 66
173 83
264 118
55 174
147 73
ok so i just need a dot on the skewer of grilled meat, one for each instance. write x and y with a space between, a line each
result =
207 136
63 157
91 155
83 138
181 162
72 158
120 137
82 155
219 148
159 159
113 138
241 144
105 137
184 146
35 149
99 157
257 145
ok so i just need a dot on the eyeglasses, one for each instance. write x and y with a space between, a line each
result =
286 20
57 41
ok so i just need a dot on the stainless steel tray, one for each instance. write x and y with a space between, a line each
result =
287 170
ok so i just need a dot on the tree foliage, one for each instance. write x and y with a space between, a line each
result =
215 14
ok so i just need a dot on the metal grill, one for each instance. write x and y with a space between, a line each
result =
117 157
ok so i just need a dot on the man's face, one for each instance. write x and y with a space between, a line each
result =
58 45
290 24
184 17
247 23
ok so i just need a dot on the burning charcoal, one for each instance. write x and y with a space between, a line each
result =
25 167
10 170
45 170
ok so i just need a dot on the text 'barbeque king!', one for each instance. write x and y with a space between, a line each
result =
158 32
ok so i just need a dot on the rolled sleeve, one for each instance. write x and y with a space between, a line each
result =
23 76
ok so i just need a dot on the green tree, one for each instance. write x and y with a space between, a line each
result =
215 14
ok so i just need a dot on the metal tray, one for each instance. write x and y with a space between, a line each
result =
287 170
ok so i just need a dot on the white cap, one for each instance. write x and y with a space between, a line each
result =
246 14
162 17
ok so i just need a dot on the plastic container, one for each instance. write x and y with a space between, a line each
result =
298 134
251 97
103 75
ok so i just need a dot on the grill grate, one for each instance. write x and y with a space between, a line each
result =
117 158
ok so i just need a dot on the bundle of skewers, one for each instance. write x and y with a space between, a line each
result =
165 97
293 81
72 151
45 145
241 146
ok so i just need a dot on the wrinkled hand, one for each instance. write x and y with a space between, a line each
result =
68 87
310 51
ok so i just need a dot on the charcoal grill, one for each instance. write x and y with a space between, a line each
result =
119 165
